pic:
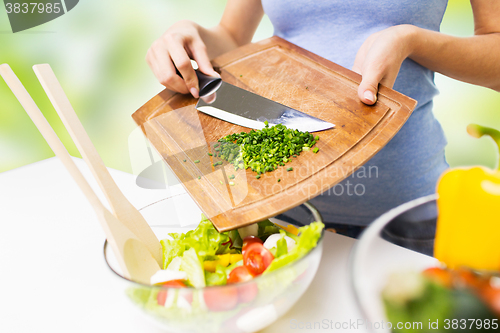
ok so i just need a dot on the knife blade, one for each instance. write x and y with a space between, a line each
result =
241 107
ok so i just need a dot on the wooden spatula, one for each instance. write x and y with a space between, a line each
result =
132 254
121 207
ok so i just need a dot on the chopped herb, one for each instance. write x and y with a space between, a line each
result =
305 148
196 161
264 150
216 145
316 138
199 177
231 177
220 181
279 179
183 160
231 183
258 176
289 169
210 154
315 150
241 75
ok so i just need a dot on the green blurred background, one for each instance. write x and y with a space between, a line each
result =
97 51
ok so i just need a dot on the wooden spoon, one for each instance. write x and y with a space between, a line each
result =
121 207
133 256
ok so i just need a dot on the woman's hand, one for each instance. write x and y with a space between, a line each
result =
187 40
379 59
174 49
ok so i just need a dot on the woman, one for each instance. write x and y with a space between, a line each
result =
394 43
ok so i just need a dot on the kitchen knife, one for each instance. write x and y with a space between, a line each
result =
241 107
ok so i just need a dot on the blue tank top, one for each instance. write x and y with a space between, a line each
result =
409 166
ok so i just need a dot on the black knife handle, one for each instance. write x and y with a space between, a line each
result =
208 84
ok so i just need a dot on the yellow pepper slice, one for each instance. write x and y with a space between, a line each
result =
223 260
290 228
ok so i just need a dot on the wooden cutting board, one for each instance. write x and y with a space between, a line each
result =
288 74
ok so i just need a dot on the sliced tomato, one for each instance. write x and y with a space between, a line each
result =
173 284
239 274
249 240
247 292
161 298
221 298
257 258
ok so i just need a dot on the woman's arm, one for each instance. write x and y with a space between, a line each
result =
473 59
187 40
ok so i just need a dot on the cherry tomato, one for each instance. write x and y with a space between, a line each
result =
439 275
257 258
239 274
246 293
248 241
221 298
162 294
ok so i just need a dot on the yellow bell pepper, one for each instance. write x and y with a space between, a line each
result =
223 260
468 225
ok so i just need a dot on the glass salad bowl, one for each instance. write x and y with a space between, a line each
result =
412 291
240 307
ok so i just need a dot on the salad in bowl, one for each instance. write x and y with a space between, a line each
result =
236 281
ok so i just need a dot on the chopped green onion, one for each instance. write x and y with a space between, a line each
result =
196 161
289 169
231 183
315 150
264 150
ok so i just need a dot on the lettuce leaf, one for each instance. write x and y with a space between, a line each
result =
217 278
193 267
205 240
266 229
307 240
281 246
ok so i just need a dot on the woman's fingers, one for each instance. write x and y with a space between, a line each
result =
167 74
171 55
200 55
379 60
368 88
182 62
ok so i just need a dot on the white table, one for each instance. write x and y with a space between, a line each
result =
53 277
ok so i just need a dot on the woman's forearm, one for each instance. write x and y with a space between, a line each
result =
236 27
473 59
